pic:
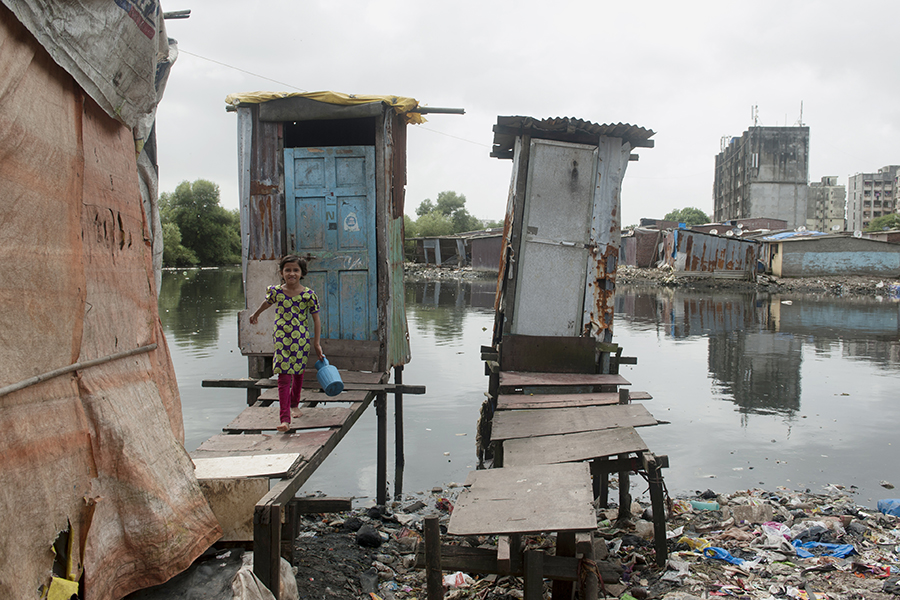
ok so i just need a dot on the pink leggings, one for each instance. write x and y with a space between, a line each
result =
288 394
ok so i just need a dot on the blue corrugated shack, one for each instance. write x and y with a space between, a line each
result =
322 175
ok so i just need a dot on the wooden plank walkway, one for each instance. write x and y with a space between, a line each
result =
552 421
532 401
570 447
255 419
525 500
556 438
518 379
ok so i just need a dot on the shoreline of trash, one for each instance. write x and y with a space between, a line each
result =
753 544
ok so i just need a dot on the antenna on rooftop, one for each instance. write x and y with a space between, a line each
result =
754 114
800 122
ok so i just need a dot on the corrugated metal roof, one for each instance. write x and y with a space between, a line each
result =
564 129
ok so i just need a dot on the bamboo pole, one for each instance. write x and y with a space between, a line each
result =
73 367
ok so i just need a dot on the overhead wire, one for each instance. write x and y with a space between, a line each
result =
303 90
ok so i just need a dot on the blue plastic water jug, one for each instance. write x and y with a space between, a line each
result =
329 378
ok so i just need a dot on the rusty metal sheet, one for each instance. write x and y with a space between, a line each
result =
704 254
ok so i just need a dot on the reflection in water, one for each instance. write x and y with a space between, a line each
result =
758 391
193 303
757 370
756 341
440 307
801 414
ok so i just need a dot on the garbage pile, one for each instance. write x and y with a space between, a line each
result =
753 544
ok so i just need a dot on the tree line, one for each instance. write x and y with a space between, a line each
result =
197 231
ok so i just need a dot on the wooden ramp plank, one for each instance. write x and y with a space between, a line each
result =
527 379
251 465
571 447
525 500
271 394
265 418
304 443
510 424
348 377
533 401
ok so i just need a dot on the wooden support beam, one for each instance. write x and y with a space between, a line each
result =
534 575
484 561
654 478
267 547
381 463
434 581
399 455
503 554
565 546
312 506
584 549
624 491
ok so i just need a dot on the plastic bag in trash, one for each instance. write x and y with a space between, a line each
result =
721 554
890 506
838 550
457 580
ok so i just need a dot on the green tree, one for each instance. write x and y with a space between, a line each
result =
434 224
450 207
174 253
689 216
891 221
211 232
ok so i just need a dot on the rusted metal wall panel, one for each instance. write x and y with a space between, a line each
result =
606 233
264 189
696 253
485 253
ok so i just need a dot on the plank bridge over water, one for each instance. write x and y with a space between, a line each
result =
555 437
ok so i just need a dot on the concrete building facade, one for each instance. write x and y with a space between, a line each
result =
825 205
871 195
763 173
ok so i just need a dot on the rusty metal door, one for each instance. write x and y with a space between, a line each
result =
330 213
556 234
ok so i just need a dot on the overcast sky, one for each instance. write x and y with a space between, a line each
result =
690 71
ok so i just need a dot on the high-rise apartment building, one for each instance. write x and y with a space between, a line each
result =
825 205
871 195
763 173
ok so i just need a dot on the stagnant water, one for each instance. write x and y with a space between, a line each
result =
758 390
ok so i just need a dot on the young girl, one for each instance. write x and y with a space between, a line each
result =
295 306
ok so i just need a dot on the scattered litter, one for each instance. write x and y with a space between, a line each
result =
751 545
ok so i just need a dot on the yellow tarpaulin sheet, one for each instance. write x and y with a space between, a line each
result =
401 105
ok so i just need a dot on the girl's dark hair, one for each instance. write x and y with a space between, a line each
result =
293 258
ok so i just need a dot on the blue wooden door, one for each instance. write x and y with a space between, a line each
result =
330 211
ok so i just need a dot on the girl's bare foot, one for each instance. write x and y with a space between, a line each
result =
283 427
295 413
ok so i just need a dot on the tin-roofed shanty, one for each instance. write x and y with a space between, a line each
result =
562 224
322 176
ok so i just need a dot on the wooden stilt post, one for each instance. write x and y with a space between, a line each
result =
381 467
624 492
267 547
434 580
534 575
565 546
654 477
399 458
